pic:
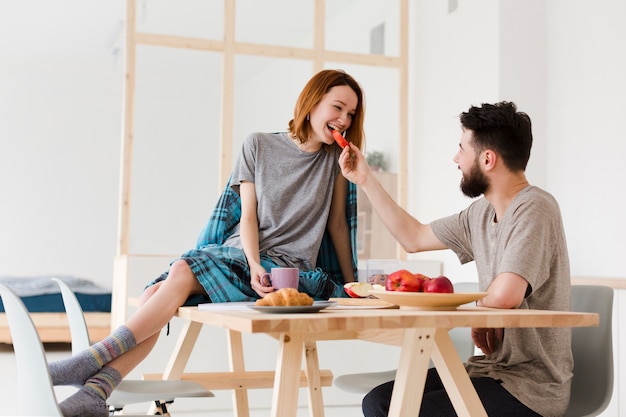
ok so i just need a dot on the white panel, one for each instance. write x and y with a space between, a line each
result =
193 18
284 22
176 148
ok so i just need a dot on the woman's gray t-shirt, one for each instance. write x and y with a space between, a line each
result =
534 365
294 191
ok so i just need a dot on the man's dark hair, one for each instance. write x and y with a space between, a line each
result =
502 128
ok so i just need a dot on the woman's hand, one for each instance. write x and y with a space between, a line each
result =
487 340
256 271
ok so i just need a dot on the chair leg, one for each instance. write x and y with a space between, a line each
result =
114 410
161 408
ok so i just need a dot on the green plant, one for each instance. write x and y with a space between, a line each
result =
376 159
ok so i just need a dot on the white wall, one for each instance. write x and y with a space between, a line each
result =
59 162
561 66
586 88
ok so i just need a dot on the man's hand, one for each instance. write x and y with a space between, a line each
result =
487 340
353 165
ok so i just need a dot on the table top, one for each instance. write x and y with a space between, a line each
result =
358 320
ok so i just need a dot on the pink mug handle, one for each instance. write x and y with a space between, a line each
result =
263 278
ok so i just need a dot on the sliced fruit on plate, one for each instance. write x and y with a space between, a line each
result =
358 289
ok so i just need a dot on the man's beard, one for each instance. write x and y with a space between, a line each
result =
475 183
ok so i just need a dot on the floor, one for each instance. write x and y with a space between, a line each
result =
195 407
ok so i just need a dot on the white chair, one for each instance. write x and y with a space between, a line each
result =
128 391
35 392
592 347
36 396
362 383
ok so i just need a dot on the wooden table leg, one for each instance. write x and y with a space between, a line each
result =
454 377
182 351
288 366
408 390
241 407
316 402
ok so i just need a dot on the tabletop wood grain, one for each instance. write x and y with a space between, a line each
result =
358 320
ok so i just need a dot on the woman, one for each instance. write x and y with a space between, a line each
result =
289 191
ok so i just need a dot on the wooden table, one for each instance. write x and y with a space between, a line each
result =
423 335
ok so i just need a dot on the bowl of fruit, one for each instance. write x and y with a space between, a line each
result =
415 291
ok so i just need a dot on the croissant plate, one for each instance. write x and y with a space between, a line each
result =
285 297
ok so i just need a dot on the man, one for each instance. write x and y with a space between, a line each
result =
514 233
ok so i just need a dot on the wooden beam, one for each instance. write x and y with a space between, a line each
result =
241 380
228 92
180 42
128 129
403 114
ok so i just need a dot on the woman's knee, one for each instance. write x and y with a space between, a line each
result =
179 274
149 292
180 268
182 277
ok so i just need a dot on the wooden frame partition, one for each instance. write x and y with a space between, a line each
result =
230 48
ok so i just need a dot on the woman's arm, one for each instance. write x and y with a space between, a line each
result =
249 229
338 229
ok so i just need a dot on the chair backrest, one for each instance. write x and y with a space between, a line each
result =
35 392
592 347
79 331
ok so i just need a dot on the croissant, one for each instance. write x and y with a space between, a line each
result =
285 297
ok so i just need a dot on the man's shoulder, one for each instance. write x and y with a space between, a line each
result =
533 190
480 205
538 196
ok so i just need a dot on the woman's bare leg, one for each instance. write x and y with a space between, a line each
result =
125 363
159 304
129 344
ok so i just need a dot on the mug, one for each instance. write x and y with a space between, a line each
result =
281 278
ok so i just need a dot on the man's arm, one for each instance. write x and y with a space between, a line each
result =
507 290
413 235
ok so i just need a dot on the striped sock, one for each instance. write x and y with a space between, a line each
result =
80 367
104 382
90 400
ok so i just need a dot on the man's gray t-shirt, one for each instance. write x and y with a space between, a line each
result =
534 365
294 191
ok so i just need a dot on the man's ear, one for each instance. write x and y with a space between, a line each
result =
489 158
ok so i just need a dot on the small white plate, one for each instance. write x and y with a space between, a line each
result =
428 300
317 306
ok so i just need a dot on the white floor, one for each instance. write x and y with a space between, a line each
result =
195 407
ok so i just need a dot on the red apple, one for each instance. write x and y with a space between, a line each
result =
404 280
423 278
438 284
